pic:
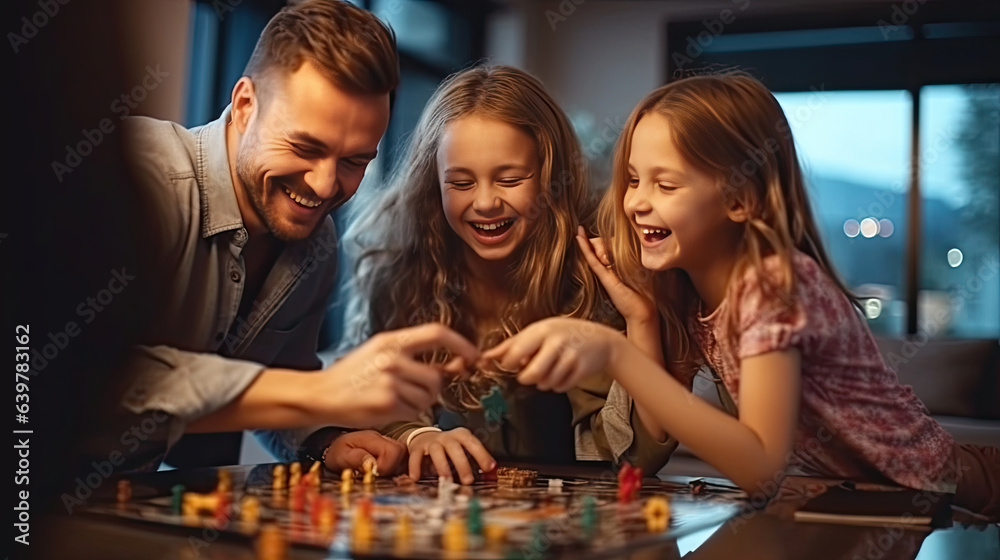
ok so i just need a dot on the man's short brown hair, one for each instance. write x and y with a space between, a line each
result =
349 45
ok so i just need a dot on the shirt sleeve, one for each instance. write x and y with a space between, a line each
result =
766 323
185 385
608 428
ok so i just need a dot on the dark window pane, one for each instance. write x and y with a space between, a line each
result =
854 146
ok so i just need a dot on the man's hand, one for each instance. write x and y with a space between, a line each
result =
349 450
383 380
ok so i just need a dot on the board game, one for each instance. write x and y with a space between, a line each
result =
527 514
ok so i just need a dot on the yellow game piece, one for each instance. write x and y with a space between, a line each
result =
271 544
496 535
250 510
346 481
315 474
195 504
404 535
364 533
454 536
278 478
295 474
657 512
225 483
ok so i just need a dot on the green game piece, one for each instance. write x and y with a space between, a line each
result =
588 520
178 496
494 405
474 517
538 543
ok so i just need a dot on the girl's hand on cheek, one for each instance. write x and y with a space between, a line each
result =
634 306
555 354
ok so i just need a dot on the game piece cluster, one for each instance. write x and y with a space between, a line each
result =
510 477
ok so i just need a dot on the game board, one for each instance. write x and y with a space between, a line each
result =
579 516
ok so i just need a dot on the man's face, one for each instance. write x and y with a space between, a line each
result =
304 150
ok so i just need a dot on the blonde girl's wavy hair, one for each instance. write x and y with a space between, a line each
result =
731 127
409 267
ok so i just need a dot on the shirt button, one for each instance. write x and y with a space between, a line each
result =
241 237
234 276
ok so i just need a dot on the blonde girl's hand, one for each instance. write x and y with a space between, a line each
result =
634 306
447 449
555 354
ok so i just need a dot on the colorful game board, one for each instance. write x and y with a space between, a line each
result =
579 516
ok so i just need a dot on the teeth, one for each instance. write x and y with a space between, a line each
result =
303 201
651 231
491 227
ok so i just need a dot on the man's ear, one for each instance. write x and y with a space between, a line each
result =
244 103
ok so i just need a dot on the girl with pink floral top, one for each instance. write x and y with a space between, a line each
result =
710 252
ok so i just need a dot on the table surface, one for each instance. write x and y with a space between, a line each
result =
751 535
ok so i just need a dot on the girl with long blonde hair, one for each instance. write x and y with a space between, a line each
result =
708 196
475 231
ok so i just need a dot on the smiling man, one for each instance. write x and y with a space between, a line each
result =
247 249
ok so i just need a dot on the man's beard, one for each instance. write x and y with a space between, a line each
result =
248 171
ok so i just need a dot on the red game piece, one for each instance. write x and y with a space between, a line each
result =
298 502
629 483
324 514
222 502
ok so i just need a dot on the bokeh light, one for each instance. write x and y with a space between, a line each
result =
869 227
955 258
852 228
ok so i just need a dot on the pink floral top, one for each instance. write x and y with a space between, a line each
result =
855 420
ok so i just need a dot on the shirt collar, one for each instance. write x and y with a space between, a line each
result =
219 209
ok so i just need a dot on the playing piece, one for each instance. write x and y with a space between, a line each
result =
177 493
124 493
657 512
278 481
295 474
271 544
455 537
346 481
370 467
250 510
315 475
474 517
629 483
494 405
225 481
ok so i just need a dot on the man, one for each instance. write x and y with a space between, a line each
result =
241 214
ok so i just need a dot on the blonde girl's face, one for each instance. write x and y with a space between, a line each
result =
676 210
489 176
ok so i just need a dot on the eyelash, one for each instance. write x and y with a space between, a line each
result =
633 183
502 182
